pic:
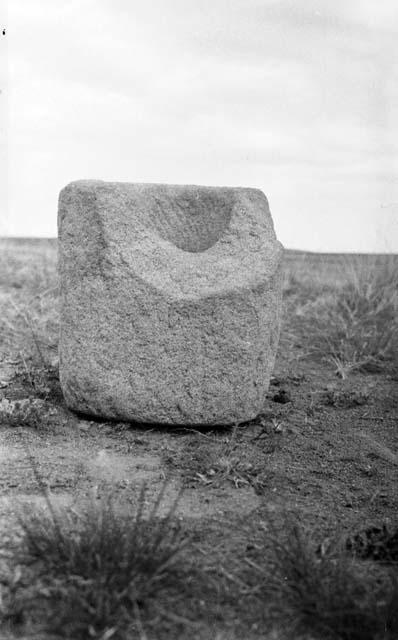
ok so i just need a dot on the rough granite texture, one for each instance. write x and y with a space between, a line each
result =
170 301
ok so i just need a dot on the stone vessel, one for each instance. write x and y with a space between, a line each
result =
170 301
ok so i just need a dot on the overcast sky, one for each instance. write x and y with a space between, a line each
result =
297 98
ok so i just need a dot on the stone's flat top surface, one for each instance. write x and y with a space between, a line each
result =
170 301
165 188
190 216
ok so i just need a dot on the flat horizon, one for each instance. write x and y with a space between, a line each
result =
287 249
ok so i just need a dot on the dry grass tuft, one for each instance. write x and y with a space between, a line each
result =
29 321
327 594
92 572
354 326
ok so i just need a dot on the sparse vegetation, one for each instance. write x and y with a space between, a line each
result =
324 591
354 325
92 571
224 564
213 459
29 320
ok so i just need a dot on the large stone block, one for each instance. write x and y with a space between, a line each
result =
170 301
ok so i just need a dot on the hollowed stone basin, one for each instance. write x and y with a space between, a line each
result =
192 220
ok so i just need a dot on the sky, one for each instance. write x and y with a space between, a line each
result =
299 99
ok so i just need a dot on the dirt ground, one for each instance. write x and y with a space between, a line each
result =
325 447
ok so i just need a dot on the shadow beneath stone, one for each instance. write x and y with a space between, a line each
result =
175 429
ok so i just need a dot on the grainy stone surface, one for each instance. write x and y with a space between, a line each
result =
170 301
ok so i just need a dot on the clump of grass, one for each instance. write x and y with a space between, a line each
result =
29 332
29 322
92 572
326 593
355 327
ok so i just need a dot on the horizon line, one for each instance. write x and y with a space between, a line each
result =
288 249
